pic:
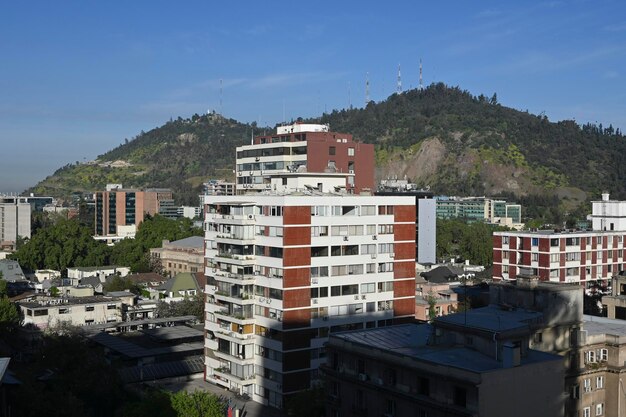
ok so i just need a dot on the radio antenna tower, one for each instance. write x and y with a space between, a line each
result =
421 86
221 93
399 81
367 88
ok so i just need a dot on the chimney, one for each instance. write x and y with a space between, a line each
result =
605 196
510 355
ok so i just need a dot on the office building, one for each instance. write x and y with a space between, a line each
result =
579 256
120 211
304 148
482 209
285 270
14 220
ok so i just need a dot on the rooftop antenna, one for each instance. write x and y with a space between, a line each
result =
367 88
421 86
399 89
221 93
284 117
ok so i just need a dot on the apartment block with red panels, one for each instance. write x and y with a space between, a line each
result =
580 256
304 148
285 271
125 207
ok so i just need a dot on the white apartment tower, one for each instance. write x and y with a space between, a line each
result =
284 271
14 219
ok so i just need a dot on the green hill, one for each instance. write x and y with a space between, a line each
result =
440 137
179 155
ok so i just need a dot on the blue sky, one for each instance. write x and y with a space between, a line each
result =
77 78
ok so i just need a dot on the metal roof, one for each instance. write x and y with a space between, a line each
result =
173 333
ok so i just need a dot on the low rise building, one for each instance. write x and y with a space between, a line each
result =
50 312
484 209
184 255
183 285
524 322
577 256
438 297
76 274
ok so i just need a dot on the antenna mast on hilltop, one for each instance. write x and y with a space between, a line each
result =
399 89
367 88
421 87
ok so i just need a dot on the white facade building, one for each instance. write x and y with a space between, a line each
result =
14 218
284 271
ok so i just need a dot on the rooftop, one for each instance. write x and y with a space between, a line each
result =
188 242
493 319
44 302
602 325
96 268
411 340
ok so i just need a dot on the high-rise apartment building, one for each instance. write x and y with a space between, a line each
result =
581 256
118 208
304 148
14 219
284 271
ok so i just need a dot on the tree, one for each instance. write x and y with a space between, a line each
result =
54 291
9 316
432 307
307 403
118 283
3 286
196 404
60 246
193 306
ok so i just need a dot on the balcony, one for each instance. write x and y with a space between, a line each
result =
235 259
235 337
236 318
240 299
239 360
224 373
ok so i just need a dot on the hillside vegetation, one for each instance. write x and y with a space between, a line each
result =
440 137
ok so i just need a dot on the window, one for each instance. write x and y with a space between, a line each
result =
600 407
590 356
64 310
587 412
603 355
111 306
332 150
554 257
535 241
575 394
460 396
599 382
505 240
89 308
350 151
587 385
535 257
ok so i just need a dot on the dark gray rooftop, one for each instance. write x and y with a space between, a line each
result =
189 242
493 318
173 333
411 340
133 350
